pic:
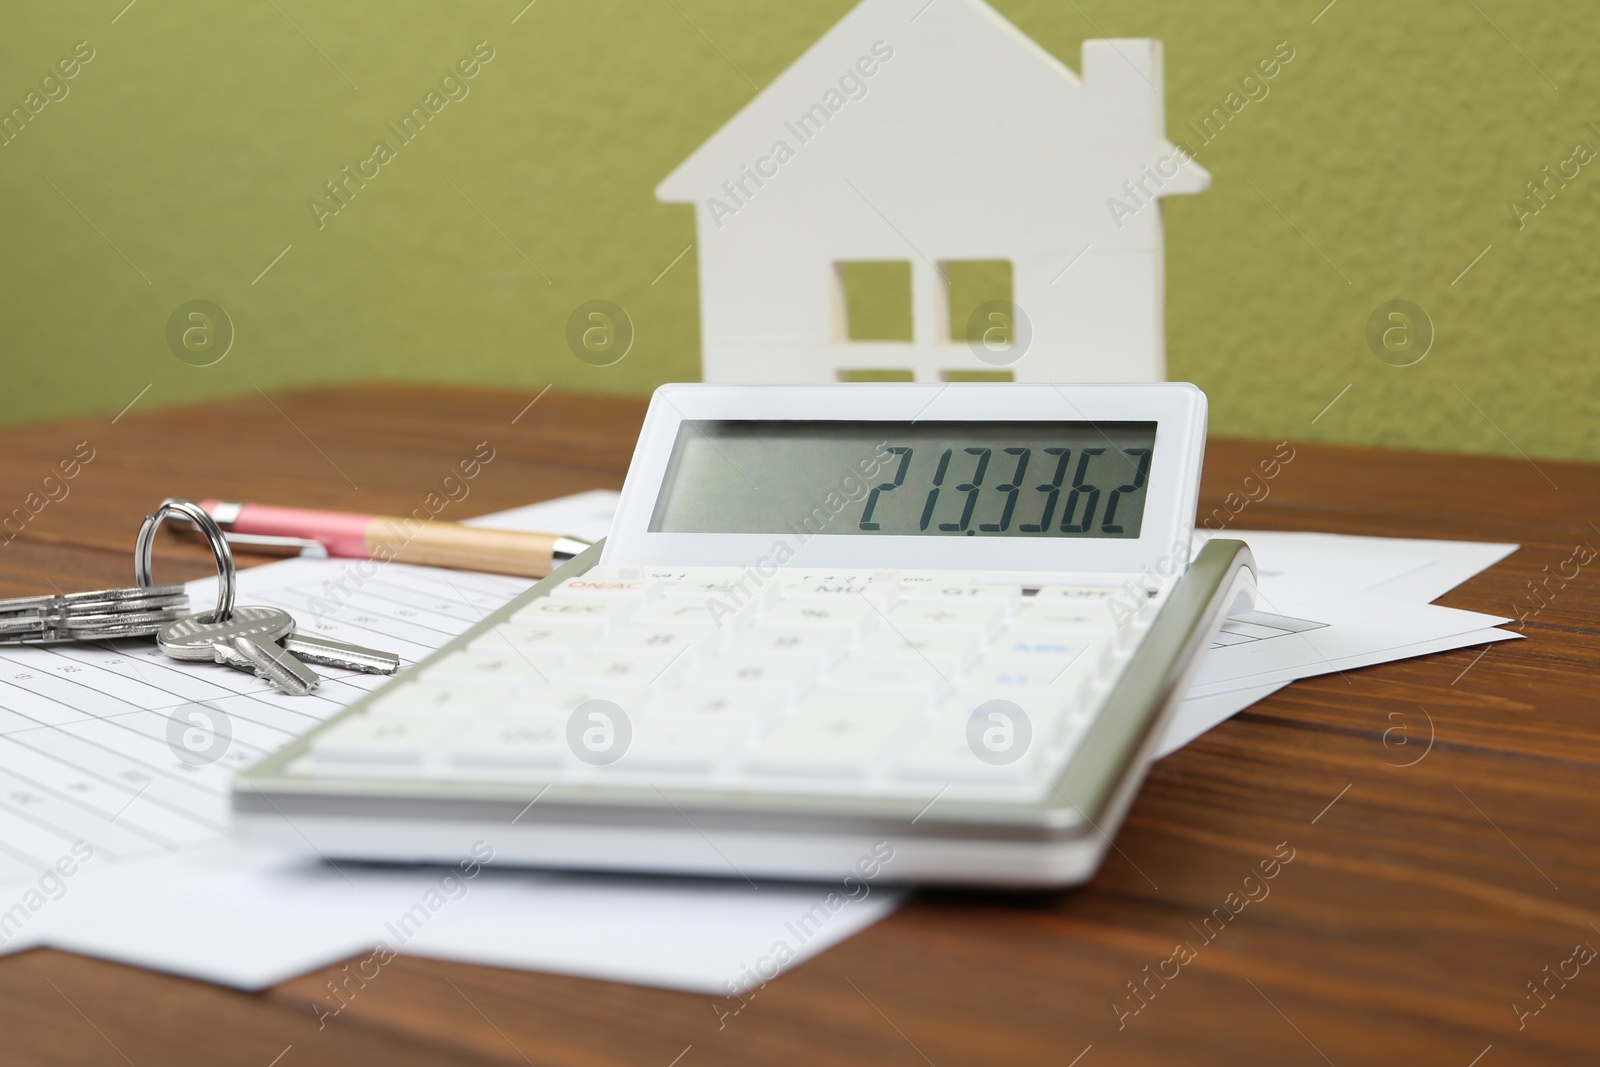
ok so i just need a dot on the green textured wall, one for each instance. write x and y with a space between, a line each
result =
182 158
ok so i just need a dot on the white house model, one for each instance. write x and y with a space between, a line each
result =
929 134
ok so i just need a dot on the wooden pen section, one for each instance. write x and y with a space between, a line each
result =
466 548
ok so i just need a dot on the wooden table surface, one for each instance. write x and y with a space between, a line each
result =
1429 885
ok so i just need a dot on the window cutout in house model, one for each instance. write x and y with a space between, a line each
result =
883 375
876 298
972 288
977 376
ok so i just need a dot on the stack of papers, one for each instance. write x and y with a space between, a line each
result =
112 846
1349 602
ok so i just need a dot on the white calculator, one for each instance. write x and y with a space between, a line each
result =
953 618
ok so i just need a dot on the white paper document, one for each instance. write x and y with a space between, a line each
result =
92 743
1343 582
248 917
1357 631
1404 568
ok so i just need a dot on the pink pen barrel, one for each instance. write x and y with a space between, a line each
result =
404 540
343 534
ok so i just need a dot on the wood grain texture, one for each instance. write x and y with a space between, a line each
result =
1415 910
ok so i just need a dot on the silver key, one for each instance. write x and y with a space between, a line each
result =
18 626
242 642
153 619
326 652
27 603
277 665
93 597
91 615
104 607
143 592
279 627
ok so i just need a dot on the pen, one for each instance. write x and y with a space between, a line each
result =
434 543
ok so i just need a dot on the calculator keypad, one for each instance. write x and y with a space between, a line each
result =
876 683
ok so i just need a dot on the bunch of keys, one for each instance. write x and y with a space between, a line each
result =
258 640
93 616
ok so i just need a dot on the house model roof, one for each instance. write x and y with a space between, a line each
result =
966 97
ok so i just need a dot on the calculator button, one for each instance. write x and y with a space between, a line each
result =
1047 712
682 745
366 739
731 585
961 591
1081 593
512 744
652 640
1036 649
423 699
686 614
720 599
1069 728
1042 705
548 611
1070 615
1131 626
488 664
561 700
945 756
818 646
725 614
532 637
948 650
974 617
903 675
866 703
1106 662
702 703
852 614
845 743
1098 659
1068 624
635 667
1000 679
587 588
738 673
880 588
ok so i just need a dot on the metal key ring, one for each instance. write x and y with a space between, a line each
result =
214 537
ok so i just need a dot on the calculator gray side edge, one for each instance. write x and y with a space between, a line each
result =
1149 692
1084 794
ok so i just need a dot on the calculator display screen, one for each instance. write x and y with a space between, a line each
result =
954 479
